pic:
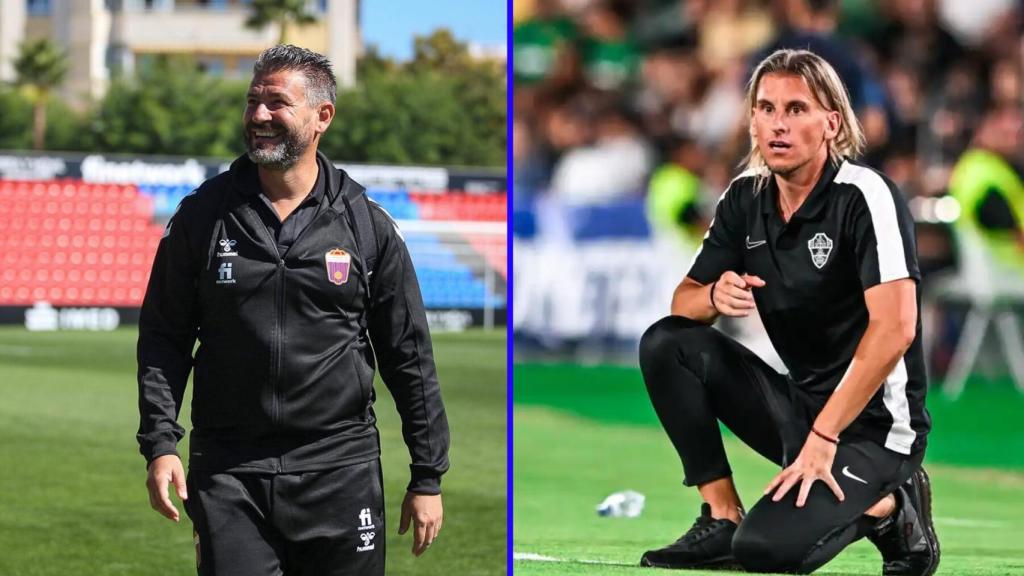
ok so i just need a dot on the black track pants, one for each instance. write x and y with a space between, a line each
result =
696 376
325 523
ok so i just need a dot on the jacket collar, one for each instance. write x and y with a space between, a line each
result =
245 179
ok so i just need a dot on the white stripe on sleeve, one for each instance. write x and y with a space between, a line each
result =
892 261
901 436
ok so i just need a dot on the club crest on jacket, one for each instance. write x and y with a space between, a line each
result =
338 264
820 247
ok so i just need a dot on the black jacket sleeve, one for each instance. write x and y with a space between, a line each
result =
401 342
167 333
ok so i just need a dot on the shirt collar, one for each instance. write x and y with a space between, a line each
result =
814 202
317 193
247 178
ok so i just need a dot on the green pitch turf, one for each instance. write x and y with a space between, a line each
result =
583 433
72 493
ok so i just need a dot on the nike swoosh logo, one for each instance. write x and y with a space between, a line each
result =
754 244
848 474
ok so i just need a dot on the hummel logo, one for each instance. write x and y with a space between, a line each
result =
227 248
751 245
367 538
848 474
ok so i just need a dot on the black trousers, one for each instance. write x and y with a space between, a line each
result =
696 376
324 523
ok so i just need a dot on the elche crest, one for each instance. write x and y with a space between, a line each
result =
820 246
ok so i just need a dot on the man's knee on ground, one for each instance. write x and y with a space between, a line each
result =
667 336
767 550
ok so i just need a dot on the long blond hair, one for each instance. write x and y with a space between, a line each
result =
827 89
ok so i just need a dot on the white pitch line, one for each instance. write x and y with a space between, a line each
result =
971 522
532 557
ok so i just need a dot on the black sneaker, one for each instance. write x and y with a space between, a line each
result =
707 544
907 538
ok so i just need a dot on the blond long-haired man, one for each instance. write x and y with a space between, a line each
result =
823 249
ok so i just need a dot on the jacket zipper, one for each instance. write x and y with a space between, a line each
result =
278 344
275 416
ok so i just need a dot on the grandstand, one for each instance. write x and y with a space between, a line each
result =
73 243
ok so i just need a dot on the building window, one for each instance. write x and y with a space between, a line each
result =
212 65
39 7
244 66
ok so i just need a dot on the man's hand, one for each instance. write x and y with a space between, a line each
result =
426 513
732 296
813 463
163 471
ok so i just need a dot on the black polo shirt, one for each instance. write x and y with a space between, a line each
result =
285 232
853 231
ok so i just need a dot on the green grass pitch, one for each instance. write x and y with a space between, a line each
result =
72 493
582 433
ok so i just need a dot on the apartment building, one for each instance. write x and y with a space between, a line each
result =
104 38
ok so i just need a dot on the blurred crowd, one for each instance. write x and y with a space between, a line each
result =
623 99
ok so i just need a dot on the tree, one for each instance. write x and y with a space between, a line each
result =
440 51
280 12
15 121
40 67
170 108
480 87
442 107
373 62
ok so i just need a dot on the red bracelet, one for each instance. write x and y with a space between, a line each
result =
712 296
824 437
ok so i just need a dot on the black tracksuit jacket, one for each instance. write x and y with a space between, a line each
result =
283 375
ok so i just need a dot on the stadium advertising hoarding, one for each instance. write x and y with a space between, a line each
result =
111 168
44 317
608 294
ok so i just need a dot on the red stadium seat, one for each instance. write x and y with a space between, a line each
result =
74 243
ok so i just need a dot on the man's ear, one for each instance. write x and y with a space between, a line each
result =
832 124
324 115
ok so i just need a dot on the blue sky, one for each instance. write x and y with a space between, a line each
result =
391 24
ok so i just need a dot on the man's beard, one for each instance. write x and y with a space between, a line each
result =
282 155
783 171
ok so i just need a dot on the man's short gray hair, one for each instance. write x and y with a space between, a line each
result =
316 68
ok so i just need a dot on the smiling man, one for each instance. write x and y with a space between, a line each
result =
822 247
296 286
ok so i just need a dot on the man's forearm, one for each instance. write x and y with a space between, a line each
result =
881 347
164 367
693 301
159 404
